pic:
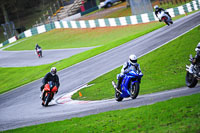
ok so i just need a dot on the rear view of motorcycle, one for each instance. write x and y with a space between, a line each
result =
165 18
193 74
49 90
39 53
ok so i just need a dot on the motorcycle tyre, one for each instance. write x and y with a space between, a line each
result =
47 99
136 90
166 23
193 82
117 96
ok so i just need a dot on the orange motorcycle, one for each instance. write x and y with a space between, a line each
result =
49 90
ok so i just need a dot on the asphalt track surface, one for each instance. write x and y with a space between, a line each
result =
29 57
22 106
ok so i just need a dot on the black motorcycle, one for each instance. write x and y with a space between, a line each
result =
193 75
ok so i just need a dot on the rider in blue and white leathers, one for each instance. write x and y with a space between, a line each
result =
129 65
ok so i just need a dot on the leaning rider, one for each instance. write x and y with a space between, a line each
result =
129 65
50 76
37 47
157 10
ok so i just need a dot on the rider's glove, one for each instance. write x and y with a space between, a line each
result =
127 70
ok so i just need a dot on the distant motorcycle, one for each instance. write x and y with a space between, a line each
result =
130 85
165 18
192 76
49 90
39 52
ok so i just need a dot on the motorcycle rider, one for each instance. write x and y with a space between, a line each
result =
50 76
157 10
131 64
196 59
38 49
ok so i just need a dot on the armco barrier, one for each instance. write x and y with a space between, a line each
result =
121 21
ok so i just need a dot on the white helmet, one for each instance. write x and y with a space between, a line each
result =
156 6
133 58
53 71
198 47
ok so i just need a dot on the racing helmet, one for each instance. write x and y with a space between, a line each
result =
198 47
133 58
156 6
53 71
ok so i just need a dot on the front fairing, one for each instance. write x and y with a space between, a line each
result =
50 87
135 74
132 77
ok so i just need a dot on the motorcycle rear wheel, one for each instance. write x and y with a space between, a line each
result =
166 22
190 80
134 90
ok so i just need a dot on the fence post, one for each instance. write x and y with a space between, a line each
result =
58 4
44 18
51 11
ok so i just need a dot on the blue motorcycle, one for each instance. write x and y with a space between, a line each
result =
130 85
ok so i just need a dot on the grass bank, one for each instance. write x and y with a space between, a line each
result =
175 115
163 69
76 38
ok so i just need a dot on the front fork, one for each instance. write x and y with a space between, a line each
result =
115 86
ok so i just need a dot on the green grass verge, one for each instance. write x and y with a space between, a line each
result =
175 115
163 69
76 38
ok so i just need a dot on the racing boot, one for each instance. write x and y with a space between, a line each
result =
119 84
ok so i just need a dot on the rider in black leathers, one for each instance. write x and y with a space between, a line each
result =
37 47
50 76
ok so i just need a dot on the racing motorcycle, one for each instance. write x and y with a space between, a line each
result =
39 52
193 75
130 85
165 18
49 90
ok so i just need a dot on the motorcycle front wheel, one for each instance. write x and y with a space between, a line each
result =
190 80
134 90
118 96
166 22
47 99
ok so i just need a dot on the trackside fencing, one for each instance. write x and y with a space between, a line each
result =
121 21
